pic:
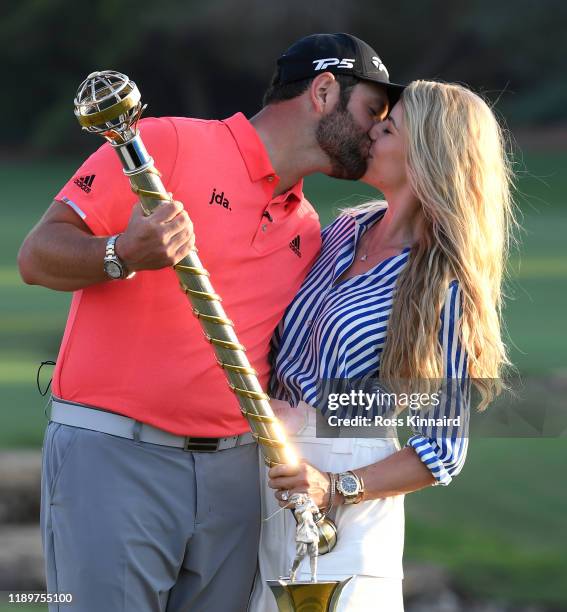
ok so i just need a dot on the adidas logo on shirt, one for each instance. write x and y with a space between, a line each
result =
85 182
294 245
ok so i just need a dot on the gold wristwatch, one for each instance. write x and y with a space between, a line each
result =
351 487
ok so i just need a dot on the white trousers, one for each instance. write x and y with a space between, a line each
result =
370 534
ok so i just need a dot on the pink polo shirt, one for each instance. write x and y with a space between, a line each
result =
133 346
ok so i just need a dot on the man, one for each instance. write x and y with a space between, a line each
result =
135 516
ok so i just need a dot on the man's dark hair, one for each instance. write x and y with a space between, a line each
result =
279 92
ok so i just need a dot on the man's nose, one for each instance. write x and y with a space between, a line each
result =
373 132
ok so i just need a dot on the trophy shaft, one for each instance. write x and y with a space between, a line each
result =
218 328
108 103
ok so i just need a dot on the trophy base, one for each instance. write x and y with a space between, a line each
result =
302 596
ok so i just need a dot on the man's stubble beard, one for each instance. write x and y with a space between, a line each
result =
342 140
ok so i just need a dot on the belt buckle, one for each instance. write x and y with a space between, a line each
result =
201 445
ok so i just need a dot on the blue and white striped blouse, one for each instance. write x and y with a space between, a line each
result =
337 331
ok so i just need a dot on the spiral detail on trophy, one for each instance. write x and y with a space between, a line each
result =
108 103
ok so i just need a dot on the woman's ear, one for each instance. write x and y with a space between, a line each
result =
324 93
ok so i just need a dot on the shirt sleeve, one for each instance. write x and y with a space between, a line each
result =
100 193
443 447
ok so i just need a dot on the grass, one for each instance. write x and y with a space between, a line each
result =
500 526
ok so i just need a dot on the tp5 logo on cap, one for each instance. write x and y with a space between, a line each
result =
338 53
321 64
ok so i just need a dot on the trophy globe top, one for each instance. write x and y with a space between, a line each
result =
108 103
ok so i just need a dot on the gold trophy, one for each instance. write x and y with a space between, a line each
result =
108 103
307 596
313 596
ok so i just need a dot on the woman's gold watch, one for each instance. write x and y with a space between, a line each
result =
351 487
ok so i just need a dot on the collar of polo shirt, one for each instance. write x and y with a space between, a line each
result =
256 157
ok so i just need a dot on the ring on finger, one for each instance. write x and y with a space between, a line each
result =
285 495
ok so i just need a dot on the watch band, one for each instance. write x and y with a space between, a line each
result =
360 496
110 252
112 259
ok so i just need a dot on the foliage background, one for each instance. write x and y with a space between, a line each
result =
205 59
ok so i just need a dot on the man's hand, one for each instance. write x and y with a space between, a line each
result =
302 478
61 252
156 241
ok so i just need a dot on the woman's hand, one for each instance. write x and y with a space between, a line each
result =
302 478
291 418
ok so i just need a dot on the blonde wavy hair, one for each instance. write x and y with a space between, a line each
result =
459 170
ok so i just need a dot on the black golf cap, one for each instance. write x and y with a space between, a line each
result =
339 54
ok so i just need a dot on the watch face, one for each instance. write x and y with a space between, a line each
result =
349 485
113 269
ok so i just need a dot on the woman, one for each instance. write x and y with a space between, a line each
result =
410 289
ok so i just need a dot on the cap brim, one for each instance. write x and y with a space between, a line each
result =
394 90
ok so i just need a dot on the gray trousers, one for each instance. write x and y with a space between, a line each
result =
129 526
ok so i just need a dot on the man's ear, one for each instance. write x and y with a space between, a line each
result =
324 92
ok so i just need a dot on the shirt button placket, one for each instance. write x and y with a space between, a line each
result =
270 178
